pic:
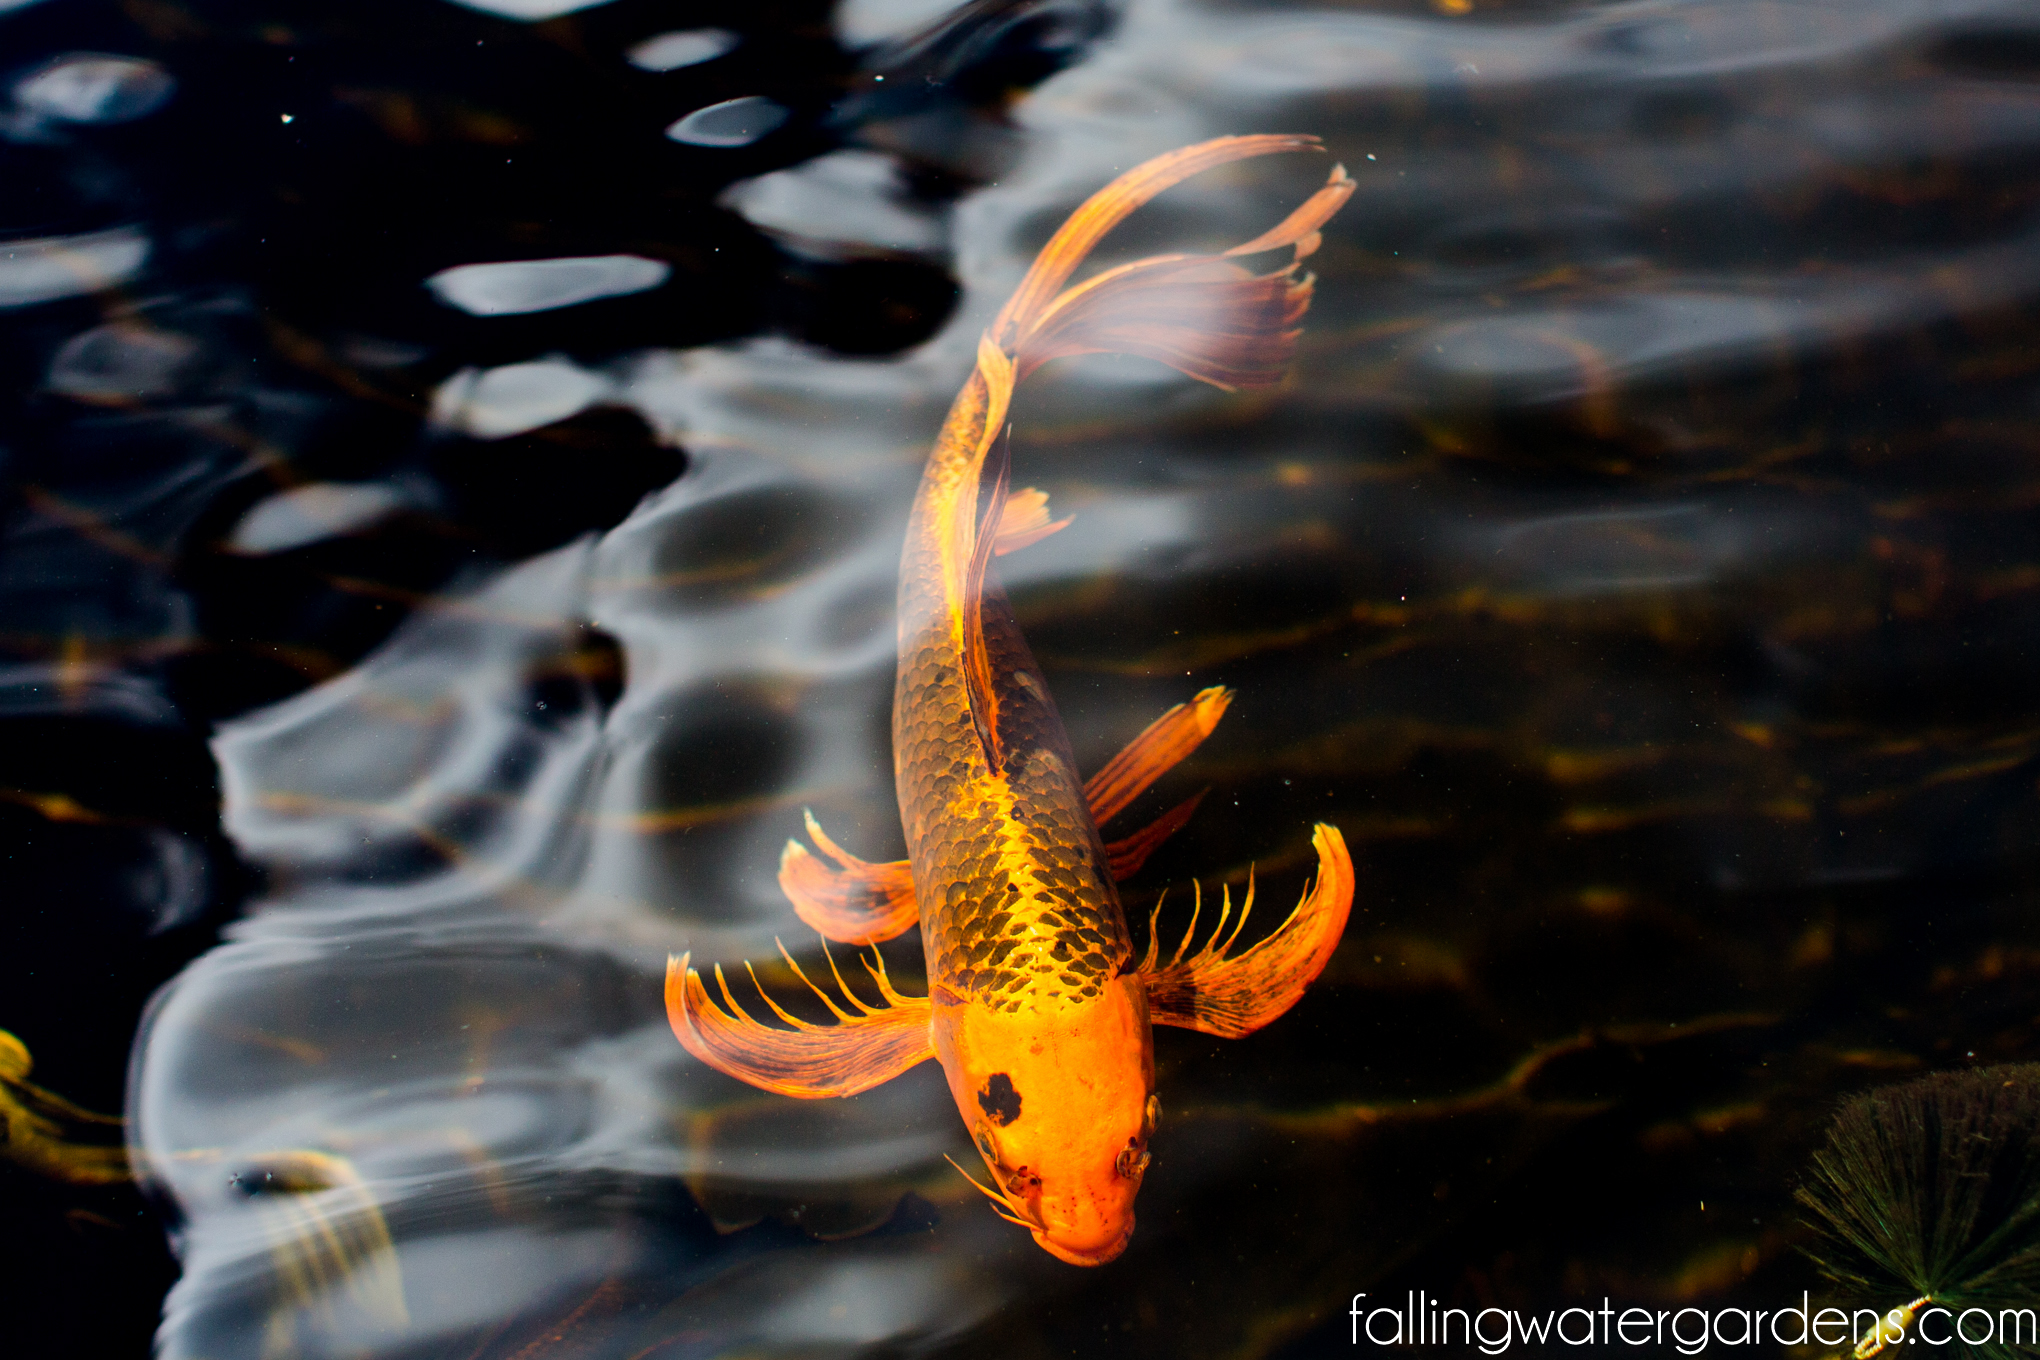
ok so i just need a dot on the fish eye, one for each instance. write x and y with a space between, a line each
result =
1131 1162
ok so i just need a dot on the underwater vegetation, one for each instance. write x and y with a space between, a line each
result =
332 1263
329 1248
48 1135
1926 1199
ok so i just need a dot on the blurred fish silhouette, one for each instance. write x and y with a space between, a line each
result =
334 1263
47 1134
1038 1010
1926 1200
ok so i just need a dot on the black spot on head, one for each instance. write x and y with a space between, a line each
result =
999 1100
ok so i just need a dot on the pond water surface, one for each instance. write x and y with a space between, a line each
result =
456 461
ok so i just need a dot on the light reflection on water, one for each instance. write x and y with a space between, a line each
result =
87 88
42 270
513 287
1559 578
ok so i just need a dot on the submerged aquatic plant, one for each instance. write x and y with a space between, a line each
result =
1929 1193
335 1266
49 1135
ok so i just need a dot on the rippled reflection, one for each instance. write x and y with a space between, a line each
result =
530 11
307 514
515 287
734 122
516 397
51 267
847 197
686 47
122 362
88 88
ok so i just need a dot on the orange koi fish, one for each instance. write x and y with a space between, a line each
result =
1038 1010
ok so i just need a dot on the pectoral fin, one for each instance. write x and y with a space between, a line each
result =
1231 997
810 1061
1149 756
855 903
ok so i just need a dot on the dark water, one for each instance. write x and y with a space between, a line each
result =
401 655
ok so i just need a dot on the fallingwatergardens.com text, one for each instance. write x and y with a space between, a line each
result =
1422 1321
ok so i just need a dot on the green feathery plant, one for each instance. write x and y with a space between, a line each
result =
1929 1193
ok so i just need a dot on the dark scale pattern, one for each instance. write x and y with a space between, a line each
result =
1018 908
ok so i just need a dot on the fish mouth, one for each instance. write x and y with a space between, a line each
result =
1003 1203
1093 1252
1084 1254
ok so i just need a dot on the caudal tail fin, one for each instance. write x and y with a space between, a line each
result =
1203 315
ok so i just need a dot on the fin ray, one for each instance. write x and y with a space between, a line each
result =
1110 206
1202 315
1024 521
1209 319
857 902
1300 228
1234 996
1159 748
809 1061
1125 856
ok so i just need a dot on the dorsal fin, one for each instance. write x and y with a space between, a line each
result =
977 662
970 538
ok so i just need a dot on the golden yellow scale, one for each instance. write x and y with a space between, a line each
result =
1037 1009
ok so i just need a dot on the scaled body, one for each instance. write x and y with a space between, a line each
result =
1037 1010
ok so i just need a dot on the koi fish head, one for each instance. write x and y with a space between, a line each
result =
1060 1102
